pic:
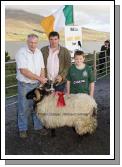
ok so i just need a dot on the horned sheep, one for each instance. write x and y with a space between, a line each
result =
79 111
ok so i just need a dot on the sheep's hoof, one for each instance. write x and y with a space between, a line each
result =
53 133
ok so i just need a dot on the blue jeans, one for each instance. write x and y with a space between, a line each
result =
25 106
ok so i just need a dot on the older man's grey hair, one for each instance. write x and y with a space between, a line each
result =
32 36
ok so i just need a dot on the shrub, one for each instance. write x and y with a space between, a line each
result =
7 57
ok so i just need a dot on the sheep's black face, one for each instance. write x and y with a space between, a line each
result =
47 85
39 93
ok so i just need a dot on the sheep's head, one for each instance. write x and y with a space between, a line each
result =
50 86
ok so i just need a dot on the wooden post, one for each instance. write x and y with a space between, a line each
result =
95 70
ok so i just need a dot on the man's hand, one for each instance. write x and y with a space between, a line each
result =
43 80
32 76
59 79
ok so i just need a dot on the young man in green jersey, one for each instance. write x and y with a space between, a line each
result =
80 78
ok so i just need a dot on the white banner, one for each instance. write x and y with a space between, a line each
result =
73 38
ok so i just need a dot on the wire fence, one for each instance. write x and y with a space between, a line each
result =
101 68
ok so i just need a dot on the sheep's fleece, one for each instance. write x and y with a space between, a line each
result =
79 112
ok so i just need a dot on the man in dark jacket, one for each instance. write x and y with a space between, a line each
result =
57 61
104 54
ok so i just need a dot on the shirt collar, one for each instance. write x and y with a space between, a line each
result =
28 50
58 47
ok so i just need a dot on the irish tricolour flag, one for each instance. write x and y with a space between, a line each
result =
58 19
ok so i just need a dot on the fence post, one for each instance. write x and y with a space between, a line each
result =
95 70
106 61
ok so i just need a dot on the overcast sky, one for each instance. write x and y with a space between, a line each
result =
89 16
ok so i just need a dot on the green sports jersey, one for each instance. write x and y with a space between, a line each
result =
80 79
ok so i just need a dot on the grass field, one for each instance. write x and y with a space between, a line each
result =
10 79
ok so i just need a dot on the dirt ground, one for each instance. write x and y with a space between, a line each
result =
66 142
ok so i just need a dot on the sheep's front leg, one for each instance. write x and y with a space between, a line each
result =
53 132
73 129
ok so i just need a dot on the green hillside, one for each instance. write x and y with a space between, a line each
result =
18 24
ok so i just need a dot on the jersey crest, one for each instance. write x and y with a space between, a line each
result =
85 74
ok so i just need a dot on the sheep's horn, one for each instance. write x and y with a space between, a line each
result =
38 96
41 86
